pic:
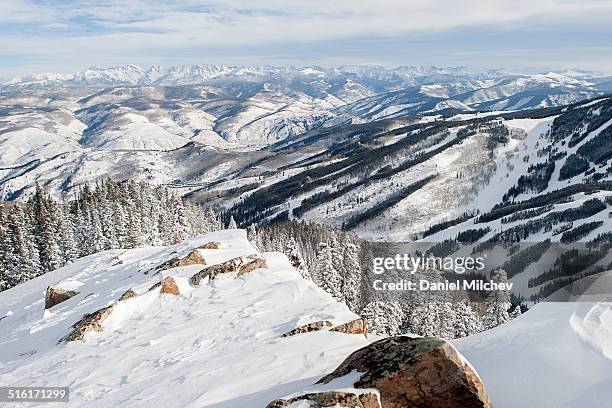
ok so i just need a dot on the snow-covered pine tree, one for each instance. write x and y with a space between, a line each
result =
295 257
516 312
232 223
466 320
498 304
66 236
325 275
4 252
19 262
351 286
43 217
384 318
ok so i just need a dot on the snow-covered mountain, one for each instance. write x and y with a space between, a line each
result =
99 112
218 343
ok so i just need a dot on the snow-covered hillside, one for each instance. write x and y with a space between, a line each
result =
218 344
557 355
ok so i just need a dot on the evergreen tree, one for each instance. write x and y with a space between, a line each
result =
325 275
498 304
296 258
351 286
466 321
384 318
232 223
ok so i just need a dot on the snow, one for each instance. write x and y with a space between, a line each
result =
557 355
216 345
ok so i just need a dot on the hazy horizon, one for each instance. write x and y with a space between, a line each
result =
67 36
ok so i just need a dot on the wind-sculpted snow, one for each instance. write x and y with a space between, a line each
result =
555 355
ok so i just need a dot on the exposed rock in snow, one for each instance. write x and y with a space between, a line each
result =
192 258
251 266
357 326
56 296
420 372
167 285
128 294
211 245
307 328
340 399
232 265
90 322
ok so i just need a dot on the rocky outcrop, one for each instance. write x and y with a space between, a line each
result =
211 245
233 265
419 372
192 258
169 286
251 266
357 326
336 399
55 296
166 285
306 328
89 322
128 294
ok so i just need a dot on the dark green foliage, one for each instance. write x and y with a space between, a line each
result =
580 232
573 166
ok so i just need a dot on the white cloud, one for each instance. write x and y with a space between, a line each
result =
132 27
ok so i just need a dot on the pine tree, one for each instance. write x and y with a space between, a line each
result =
4 252
516 312
384 318
20 267
325 275
498 304
295 257
232 223
466 321
351 286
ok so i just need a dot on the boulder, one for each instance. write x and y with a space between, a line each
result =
89 322
306 328
419 372
192 258
211 245
128 294
251 266
213 271
357 326
336 399
55 296
168 285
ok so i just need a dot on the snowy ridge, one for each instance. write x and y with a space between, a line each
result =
197 342
218 344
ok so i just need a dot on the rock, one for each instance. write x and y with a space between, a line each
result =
251 266
211 245
193 258
336 399
55 296
128 294
357 326
213 271
419 372
168 285
310 327
89 322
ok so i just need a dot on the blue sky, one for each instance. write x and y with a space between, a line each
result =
66 36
